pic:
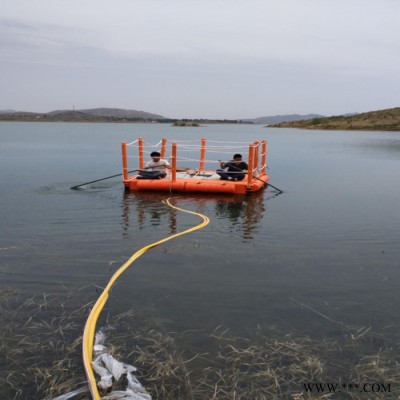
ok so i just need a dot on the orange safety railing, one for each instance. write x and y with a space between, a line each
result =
141 158
257 158
173 166
250 165
124 161
264 157
202 154
163 147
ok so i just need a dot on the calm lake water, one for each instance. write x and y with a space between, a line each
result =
322 255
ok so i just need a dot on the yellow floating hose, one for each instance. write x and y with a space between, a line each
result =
90 326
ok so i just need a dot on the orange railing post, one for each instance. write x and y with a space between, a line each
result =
256 154
140 148
124 161
173 162
251 163
202 154
264 157
163 146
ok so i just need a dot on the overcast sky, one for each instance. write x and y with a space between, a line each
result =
201 58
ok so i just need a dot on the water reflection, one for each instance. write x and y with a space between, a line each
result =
148 211
242 214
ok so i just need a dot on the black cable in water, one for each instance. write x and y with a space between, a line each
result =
102 179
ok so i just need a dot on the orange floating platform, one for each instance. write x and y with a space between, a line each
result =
186 179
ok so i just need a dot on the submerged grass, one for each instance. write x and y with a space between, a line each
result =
40 353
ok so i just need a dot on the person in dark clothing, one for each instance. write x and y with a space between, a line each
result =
233 170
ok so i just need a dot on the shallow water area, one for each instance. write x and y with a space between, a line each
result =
318 263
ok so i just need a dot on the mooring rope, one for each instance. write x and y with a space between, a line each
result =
90 326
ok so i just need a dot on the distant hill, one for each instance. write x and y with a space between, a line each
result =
275 119
7 111
90 115
381 120
106 115
112 113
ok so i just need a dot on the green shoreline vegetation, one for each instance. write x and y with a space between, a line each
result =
186 123
382 120
78 116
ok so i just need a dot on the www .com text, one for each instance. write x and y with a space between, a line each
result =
342 387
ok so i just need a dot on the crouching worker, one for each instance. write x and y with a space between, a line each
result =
156 168
234 169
